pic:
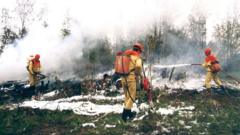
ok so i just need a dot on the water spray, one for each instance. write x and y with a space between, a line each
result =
175 65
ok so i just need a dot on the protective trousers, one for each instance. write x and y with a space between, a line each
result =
32 79
212 76
129 88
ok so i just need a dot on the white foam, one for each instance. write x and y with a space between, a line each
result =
170 110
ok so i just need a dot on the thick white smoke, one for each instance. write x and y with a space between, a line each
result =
128 18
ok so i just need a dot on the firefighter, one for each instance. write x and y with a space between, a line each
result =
212 67
34 68
129 82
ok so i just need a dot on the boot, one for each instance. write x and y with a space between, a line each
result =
131 114
124 115
208 92
32 87
223 90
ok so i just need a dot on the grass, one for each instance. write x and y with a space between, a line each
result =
216 114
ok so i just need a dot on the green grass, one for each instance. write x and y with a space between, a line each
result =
216 114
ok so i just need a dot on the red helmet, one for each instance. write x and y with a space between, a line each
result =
37 56
139 46
208 51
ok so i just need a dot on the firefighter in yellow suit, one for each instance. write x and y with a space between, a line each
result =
210 75
34 67
129 83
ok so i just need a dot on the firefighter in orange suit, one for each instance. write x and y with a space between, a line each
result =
129 82
34 68
211 74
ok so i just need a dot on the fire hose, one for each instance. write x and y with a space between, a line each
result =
196 64
41 76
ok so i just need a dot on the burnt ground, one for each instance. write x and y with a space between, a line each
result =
214 113
17 91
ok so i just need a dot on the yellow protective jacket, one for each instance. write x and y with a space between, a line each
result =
136 64
207 62
34 67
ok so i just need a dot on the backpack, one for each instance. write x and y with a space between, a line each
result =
29 59
215 66
121 64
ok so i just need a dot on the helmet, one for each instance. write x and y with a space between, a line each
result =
37 56
139 46
208 51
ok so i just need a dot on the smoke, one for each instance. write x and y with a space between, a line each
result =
92 18
56 53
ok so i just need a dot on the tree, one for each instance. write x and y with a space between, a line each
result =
121 44
197 30
162 47
154 41
97 56
7 36
5 17
227 35
66 26
24 10
164 40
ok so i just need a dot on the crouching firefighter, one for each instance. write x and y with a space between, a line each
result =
34 68
212 67
129 66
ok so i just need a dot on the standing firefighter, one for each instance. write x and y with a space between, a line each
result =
213 67
129 66
34 68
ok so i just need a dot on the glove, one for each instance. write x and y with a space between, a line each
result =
32 73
